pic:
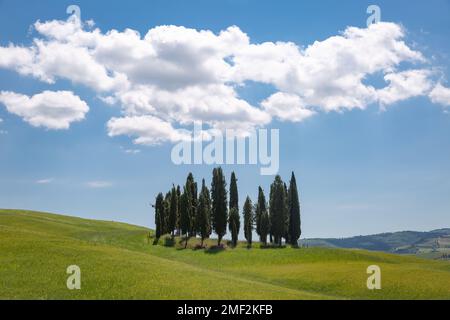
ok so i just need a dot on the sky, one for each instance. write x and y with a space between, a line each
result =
91 107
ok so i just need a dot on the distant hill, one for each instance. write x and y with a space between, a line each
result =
432 244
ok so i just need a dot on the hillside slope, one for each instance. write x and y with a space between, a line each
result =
118 262
432 244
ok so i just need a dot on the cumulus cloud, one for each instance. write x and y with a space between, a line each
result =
440 95
173 76
17 58
404 85
49 109
146 130
329 74
286 107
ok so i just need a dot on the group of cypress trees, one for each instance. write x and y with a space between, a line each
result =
191 213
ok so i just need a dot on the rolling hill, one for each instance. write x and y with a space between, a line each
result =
118 261
433 244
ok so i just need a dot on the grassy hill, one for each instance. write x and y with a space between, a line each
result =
118 262
433 244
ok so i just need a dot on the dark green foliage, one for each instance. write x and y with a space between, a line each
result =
191 185
234 197
234 225
278 210
294 212
190 213
178 209
166 212
248 220
173 210
204 213
264 227
159 215
287 217
261 206
185 213
234 201
219 204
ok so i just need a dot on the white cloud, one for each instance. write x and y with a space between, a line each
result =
109 100
328 74
148 130
99 184
173 75
17 58
404 85
287 107
45 181
440 95
67 61
50 109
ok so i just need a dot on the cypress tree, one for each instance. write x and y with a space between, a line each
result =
287 217
269 213
191 185
234 197
190 214
204 213
278 209
264 227
234 204
248 221
159 215
185 208
261 206
173 209
166 212
294 212
234 225
219 204
178 210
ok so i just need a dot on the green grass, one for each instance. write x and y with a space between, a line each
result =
118 262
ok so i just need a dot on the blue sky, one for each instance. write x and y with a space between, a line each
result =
359 170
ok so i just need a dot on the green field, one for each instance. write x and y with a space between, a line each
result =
118 262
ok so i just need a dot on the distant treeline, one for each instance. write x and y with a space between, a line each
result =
192 212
